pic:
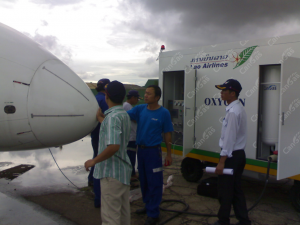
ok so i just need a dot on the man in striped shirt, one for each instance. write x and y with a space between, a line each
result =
112 165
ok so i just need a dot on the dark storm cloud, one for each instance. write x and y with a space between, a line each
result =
51 43
56 2
190 23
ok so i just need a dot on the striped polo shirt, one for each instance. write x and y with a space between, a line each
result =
115 129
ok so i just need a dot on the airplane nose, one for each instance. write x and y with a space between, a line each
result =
61 108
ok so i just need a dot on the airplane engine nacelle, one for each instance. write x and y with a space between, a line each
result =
43 103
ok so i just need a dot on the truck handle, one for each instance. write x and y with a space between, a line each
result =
282 118
185 110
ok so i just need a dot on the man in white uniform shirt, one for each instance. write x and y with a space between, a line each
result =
232 142
132 99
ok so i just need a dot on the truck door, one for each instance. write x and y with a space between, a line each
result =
289 128
189 111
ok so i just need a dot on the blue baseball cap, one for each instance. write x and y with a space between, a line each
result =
230 84
133 93
115 91
103 82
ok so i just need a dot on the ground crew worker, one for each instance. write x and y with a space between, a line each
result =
95 140
152 120
232 142
113 166
132 99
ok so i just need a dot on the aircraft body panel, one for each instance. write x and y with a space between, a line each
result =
43 103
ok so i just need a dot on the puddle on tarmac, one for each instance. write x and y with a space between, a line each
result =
45 176
15 172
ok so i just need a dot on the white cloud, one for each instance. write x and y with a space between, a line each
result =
121 39
150 60
44 23
51 44
56 2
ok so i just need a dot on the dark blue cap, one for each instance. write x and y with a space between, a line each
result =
230 84
103 82
115 91
133 93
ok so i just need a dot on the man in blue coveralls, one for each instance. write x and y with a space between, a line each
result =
95 139
152 120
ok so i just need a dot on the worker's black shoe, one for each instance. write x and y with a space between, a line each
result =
216 223
97 204
239 223
90 183
151 221
141 211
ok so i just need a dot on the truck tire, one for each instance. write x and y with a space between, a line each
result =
295 196
191 169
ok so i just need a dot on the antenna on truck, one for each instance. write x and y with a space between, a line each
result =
161 49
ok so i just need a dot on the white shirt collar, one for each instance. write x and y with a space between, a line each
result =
231 105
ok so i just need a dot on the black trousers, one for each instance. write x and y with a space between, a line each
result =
230 190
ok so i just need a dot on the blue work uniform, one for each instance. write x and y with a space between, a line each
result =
151 125
100 97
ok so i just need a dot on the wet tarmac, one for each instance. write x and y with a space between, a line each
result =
45 178
42 195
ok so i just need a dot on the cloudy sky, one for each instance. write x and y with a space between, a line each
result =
121 39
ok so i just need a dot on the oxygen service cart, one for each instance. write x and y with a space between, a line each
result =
269 72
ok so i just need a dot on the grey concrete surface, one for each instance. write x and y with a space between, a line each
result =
17 211
45 195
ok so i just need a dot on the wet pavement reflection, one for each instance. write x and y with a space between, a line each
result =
45 176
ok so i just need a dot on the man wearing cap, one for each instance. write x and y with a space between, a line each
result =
132 99
100 97
112 165
153 120
232 142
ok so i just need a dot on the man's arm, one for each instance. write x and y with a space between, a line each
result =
113 127
228 142
128 107
230 135
168 141
220 166
167 129
133 113
107 153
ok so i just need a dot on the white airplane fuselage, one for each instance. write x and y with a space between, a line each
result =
43 103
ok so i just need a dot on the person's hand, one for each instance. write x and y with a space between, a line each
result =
100 113
88 164
220 168
168 160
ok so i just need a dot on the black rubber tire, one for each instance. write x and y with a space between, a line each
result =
191 169
295 196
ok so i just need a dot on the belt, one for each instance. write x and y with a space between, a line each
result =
235 150
144 146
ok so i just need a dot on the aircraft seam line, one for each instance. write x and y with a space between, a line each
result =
65 82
